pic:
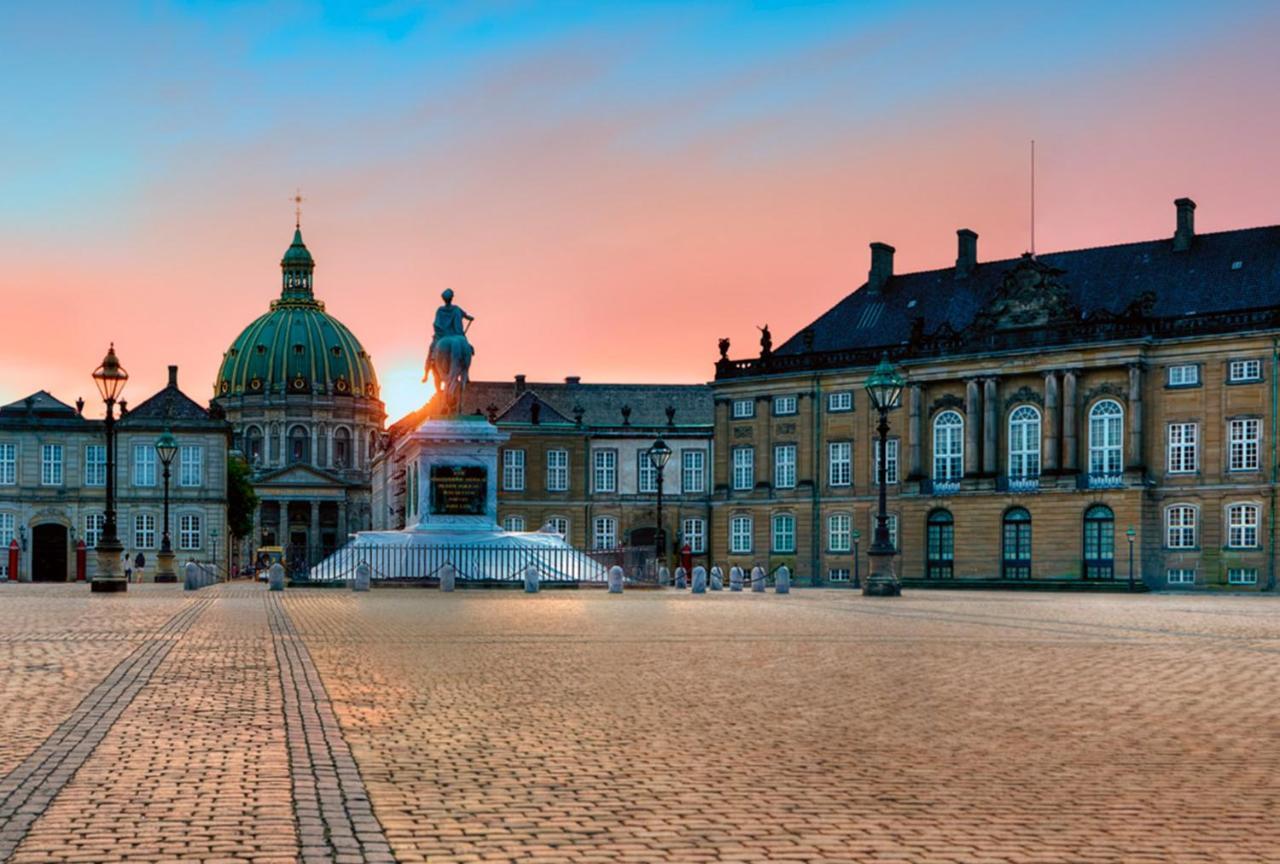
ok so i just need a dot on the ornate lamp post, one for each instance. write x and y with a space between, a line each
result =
213 539
884 386
1129 535
658 454
166 449
110 378
857 577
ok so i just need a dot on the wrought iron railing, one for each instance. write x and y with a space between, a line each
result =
470 563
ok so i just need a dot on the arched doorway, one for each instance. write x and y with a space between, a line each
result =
49 553
1099 543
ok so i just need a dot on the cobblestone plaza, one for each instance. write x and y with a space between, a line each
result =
232 724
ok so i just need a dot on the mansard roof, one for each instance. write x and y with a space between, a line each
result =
41 404
171 408
1219 282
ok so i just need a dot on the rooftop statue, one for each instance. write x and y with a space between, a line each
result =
449 356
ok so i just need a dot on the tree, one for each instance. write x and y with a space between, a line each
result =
241 499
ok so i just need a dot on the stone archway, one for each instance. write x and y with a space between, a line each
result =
49 553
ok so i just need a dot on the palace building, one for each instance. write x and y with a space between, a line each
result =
1062 412
576 461
301 394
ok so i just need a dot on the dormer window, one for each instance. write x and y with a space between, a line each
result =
298 349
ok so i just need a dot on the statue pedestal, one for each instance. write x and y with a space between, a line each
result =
454 463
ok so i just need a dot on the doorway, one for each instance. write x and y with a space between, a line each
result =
49 553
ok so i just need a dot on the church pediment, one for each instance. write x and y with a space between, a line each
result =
1031 294
297 475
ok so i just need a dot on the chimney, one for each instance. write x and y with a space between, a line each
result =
1186 230
573 379
881 266
966 252
173 377
519 383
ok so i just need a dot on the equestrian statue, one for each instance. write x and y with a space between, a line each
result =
449 357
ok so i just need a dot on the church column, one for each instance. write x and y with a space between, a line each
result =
1070 398
972 423
990 427
256 537
313 538
1051 430
914 398
342 522
1136 455
315 444
284 445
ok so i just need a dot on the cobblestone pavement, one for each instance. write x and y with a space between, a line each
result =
579 726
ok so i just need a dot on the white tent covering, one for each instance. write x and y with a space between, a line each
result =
475 555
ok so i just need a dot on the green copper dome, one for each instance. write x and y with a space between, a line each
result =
296 348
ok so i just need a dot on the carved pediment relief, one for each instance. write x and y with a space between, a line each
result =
1021 395
1031 294
946 400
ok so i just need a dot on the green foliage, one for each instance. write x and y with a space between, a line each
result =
241 499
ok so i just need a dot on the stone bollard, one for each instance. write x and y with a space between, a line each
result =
717 579
190 576
782 580
531 578
449 576
757 579
735 578
699 580
664 575
615 579
275 580
681 578
364 573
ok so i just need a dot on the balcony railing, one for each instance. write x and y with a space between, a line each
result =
1102 480
929 486
1018 484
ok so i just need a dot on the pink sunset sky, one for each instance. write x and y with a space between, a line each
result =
608 189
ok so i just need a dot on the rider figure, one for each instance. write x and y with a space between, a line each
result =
449 322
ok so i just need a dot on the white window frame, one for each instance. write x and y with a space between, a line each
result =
8 530
1180 576
948 446
1242 576
191 465
1106 438
93 525
1181 526
1183 375
604 473
1242 371
144 531
693 471
694 532
1245 437
1243 521
51 465
840 533
744 409
144 466
560 525
646 474
190 536
557 470
784 466
837 574
839 401
744 468
95 465
8 464
741 535
785 406
892 520
604 533
783 534
840 463
1183 446
513 462
513 522
1024 442
891 461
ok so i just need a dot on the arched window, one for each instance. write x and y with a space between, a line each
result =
559 525
1016 546
253 445
1106 439
1180 526
341 448
1024 443
1242 526
1099 542
299 445
948 447
941 545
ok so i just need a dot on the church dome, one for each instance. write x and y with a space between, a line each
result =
296 347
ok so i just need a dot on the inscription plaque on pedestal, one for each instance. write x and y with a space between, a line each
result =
459 490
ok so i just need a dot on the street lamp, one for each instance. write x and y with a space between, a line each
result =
213 538
166 449
857 580
110 378
884 387
1130 534
658 454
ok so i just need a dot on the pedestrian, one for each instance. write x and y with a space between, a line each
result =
127 564
139 564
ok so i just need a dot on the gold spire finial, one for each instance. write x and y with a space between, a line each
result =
297 208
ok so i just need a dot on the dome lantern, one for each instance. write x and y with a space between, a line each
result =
297 268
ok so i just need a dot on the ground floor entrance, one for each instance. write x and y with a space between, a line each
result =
49 553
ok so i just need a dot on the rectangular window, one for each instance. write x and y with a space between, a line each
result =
1242 576
740 535
840 463
838 574
8 464
839 532
693 476
784 533
1180 576
189 532
646 473
51 465
605 535
892 520
6 537
95 465
784 466
1186 375
144 531
513 470
890 462
191 465
1242 526
513 523
93 523
1244 370
144 465
694 532
1180 527
842 401
606 470
557 470
744 468
1246 441
784 405
560 525
1182 448
744 409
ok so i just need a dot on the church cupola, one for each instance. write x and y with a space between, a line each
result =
297 266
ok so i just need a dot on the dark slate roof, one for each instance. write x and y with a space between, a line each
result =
1107 279
170 407
601 404
40 404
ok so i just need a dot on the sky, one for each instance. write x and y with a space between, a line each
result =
607 187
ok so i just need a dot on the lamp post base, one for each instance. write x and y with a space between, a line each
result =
109 579
164 567
882 581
